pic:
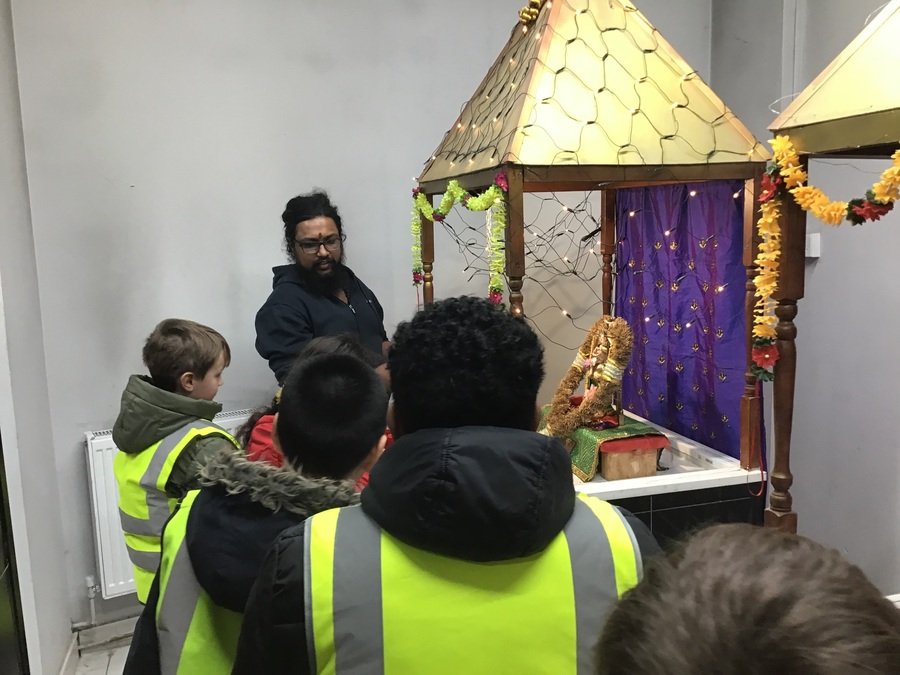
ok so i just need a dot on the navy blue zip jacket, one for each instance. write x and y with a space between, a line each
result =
294 314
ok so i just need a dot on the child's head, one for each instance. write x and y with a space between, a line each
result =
750 600
464 362
345 343
186 358
331 417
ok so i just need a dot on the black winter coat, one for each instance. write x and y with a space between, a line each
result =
294 314
239 512
476 493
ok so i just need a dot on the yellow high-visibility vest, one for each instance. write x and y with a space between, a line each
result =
377 605
196 636
144 506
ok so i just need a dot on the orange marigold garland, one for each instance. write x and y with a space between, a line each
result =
786 175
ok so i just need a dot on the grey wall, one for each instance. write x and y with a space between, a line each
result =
163 139
847 472
28 451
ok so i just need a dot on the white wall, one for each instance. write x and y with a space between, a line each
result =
162 141
847 471
28 455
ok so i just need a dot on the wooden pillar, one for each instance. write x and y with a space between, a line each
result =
751 408
607 247
780 513
427 258
515 238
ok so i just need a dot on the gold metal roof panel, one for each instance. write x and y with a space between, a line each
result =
591 83
855 101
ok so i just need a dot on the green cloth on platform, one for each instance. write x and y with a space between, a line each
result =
585 443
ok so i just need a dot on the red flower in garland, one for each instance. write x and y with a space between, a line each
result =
437 216
769 187
501 181
871 210
765 356
496 297
416 191
418 277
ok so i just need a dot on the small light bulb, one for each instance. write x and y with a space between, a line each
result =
646 319
719 289
566 258
474 126
459 125
736 194
434 157
687 325
524 29
565 313
667 232
693 193
631 214
497 118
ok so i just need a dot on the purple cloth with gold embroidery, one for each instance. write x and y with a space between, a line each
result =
680 286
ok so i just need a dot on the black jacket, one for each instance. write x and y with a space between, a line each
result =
476 493
239 512
294 314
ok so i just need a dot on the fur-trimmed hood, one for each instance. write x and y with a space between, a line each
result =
276 488
239 512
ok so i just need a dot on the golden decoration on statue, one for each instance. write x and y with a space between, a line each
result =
529 13
601 362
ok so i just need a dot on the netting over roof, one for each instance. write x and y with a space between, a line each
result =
591 83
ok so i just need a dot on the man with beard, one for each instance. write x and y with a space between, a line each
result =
317 294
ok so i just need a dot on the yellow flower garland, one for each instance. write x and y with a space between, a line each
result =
812 200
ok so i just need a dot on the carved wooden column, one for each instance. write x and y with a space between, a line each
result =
515 238
427 258
780 513
751 408
607 247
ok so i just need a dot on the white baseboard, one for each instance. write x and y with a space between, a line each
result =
70 663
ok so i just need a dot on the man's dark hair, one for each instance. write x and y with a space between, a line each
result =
332 412
307 207
179 346
465 362
745 600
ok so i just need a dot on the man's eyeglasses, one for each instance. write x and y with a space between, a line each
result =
311 246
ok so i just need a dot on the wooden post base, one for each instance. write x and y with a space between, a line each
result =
786 522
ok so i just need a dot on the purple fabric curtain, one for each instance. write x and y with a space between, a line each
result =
680 286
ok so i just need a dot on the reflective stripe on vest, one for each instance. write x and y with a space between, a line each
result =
144 506
376 605
196 636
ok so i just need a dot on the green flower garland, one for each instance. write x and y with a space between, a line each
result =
489 200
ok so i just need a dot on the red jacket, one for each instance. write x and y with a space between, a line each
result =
260 447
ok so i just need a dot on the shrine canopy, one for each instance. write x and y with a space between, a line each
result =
594 84
853 106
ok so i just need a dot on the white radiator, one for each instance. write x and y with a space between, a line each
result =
115 570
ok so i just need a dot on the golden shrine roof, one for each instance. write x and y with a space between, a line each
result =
591 83
855 102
